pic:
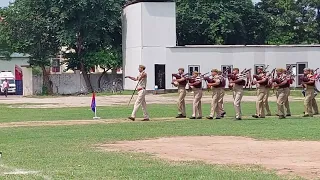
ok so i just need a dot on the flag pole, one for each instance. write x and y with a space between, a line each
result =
95 114
95 108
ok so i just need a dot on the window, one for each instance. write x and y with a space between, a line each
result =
160 76
300 68
256 67
55 63
225 67
193 68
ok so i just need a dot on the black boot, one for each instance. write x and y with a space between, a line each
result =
181 116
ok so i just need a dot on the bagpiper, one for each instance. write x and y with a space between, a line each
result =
236 83
281 83
195 83
215 84
308 82
261 81
180 81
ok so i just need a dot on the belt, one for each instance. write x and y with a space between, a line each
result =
139 89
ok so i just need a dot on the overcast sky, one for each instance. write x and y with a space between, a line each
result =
4 3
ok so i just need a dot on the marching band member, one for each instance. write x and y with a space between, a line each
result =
266 98
222 93
237 82
181 82
314 102
141 88
261 81
215 85
287 91
281 81
308 82
195 82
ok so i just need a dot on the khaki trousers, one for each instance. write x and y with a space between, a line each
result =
308 100
237 96
181 100
216 96
315 105
266 101
281 100
197 109
261 93
286 104
141 101
220 104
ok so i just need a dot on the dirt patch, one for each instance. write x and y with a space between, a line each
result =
116 100
287 157
73 122
52 123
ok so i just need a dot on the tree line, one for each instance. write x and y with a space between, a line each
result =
91 29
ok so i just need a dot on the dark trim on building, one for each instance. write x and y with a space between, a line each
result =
242 46
130 2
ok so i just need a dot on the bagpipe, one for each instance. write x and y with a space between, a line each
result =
280 79
307 78
177 76
242 75
191 80
266 74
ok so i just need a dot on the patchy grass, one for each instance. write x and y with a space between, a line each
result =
9 114
68 153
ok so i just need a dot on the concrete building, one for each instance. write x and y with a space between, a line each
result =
16 59
149 38
15 66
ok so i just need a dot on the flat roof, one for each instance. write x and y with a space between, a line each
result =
239 46
17 55
130 2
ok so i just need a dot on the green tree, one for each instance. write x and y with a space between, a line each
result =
107 59
283 21
219 22
309 21
32 29
5 50
88 27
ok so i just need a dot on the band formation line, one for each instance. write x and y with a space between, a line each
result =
278 79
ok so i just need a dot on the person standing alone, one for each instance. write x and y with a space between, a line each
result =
5 86
141 88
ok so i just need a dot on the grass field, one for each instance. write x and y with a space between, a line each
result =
10 114
67 152
294 92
